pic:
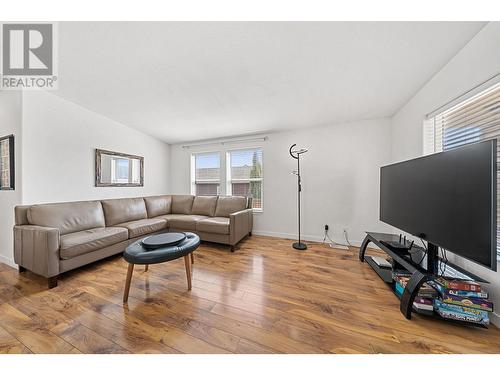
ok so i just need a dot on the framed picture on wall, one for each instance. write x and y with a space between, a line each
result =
7 164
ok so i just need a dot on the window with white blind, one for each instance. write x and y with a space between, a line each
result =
244 174
472 120
206 178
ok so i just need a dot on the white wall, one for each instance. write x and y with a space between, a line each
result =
59 140
474 64
340 179
10 123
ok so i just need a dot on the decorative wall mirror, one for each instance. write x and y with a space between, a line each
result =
7 164
117 169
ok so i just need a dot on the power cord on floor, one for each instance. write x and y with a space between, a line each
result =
346 237
332 243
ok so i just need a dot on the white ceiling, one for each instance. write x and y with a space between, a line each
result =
186 81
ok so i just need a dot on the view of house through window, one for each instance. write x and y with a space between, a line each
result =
473 120
207 174
243 175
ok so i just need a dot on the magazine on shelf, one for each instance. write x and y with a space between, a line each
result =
461 313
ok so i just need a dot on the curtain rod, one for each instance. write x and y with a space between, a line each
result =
466 95
226 142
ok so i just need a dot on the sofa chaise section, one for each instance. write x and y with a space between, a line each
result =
231 222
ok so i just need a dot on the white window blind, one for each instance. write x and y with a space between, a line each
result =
473 120
429 135
207 173
245 174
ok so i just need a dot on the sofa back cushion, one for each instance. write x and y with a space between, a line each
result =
158 205
204 206
182 204
67 217
117 211
21 215
228 205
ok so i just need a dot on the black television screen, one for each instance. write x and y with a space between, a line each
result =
448 199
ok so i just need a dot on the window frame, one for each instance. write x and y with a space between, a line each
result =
225 174
230 181
193 171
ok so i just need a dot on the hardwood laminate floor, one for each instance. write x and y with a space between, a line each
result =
263 298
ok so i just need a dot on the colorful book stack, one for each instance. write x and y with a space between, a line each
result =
425 299
462 300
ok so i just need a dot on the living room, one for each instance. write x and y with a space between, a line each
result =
212 187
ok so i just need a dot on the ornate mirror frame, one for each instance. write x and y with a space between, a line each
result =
7 161
98 169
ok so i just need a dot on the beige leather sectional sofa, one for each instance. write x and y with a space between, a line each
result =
50 239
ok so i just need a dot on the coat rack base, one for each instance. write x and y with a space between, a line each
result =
299 246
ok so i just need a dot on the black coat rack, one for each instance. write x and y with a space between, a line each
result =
296 155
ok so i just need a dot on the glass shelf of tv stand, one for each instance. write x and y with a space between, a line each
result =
413 262
445 268
386 276
413 259
434 315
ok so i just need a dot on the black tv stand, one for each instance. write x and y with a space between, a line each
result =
422 264
401 244
398 245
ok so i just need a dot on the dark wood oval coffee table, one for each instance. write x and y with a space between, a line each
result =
178 246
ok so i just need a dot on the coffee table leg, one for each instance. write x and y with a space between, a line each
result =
192 257
127 282
188 270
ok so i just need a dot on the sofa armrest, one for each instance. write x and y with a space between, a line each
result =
37 249
240 225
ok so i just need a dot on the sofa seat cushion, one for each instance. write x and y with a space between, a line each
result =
185 222
79 243
142 227
219 225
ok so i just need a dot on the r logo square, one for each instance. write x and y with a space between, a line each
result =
27 49
28 56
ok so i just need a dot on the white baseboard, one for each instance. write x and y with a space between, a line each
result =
8 261
293 236
495 319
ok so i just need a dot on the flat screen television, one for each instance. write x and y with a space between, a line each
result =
448 198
